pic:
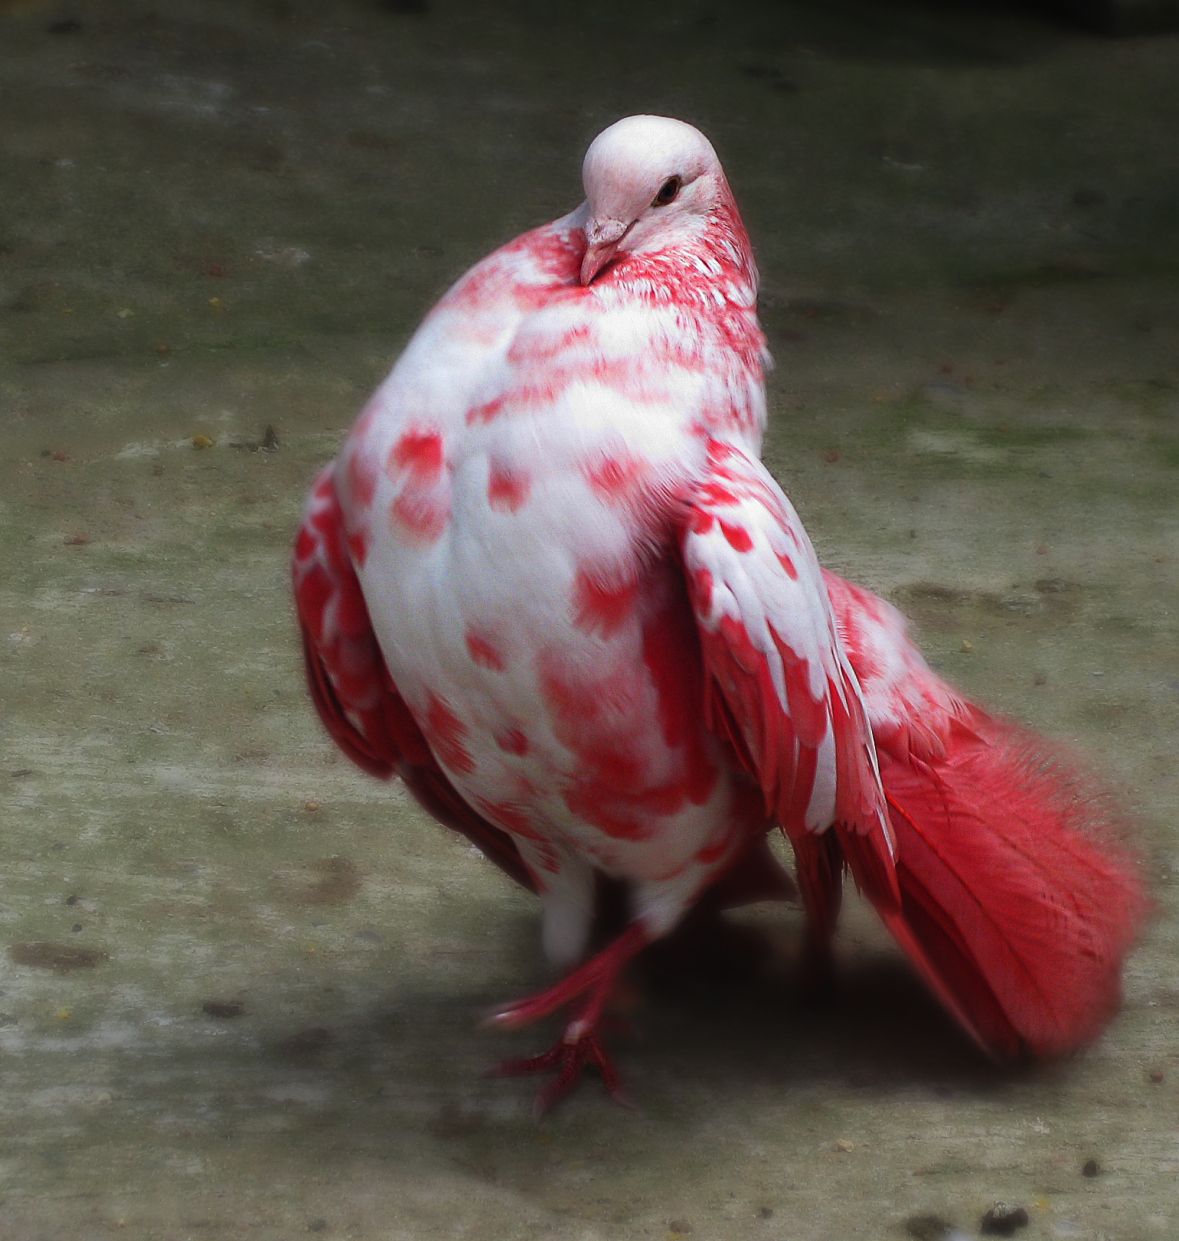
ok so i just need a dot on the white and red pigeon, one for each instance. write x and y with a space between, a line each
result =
550 585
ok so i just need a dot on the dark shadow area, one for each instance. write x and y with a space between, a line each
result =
730 1017
962 33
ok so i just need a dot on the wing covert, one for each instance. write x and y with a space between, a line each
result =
780 685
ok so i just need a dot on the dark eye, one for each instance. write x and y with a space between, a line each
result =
667 192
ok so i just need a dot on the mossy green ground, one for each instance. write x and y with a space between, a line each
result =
216 218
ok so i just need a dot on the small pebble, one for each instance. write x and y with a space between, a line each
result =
202 441
1003 1220
967 646
844 1146
1091 1168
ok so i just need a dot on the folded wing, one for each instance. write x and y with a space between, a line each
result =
780 687
351 686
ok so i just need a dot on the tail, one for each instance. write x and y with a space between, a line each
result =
1017 901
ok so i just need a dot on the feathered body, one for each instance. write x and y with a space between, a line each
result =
549 582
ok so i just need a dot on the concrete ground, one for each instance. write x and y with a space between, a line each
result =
241 982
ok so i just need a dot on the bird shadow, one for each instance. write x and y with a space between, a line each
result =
728 1015
870 1024
708 1031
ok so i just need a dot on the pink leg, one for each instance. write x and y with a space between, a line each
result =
579 1044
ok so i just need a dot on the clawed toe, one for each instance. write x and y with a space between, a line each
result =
567 1059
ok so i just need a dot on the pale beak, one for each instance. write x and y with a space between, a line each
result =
602 238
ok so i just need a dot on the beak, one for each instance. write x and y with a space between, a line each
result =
602 239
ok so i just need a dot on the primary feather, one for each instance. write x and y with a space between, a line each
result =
549 583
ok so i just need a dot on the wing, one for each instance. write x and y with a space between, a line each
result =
780 686
350 683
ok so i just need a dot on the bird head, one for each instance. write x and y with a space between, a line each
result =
649 180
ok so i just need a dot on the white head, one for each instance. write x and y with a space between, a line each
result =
646 178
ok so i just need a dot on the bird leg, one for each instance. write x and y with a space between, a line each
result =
819 863
580 1044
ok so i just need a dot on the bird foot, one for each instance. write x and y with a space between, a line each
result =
576 1050
581 1044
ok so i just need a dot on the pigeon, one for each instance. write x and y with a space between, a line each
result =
549 584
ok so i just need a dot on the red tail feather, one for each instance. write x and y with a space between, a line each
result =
1017 902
